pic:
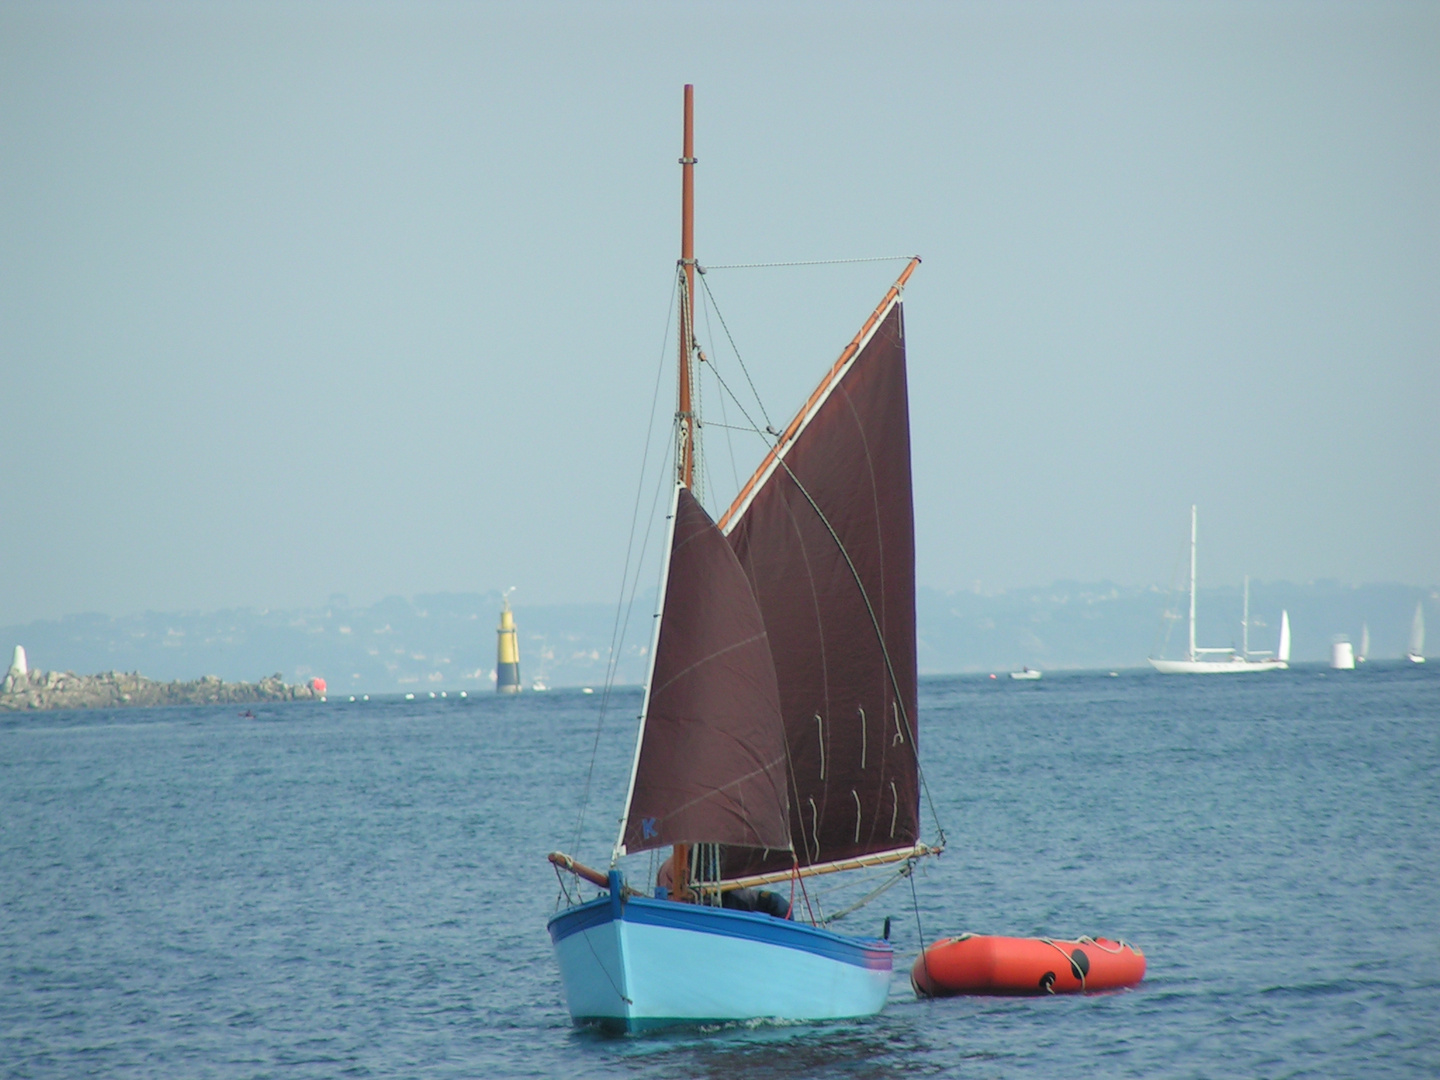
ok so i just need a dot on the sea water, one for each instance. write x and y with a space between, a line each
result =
361 890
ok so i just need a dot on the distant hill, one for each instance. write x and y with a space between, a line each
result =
446 641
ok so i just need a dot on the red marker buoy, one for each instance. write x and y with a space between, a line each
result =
318 685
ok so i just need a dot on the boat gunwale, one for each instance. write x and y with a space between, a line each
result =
872 953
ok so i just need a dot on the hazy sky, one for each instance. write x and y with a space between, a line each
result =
302 299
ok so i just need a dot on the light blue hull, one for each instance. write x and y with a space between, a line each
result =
644 964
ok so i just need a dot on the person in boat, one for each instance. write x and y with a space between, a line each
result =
761 900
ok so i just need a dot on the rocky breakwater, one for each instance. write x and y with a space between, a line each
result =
66 690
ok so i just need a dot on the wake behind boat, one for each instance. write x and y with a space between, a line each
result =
1200 661
777 736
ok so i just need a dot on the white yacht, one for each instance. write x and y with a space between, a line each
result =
1203 661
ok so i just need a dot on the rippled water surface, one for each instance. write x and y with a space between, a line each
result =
361 889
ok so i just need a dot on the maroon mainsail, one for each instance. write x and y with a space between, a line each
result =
710 766
825 534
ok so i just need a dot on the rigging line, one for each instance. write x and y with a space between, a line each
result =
806 262
850 887
617 631
564 890
874 894
700 460
919 930
1167 624
765 435
660 478
709 481
729 442
805 895
736 350
870 609
880 637
733 427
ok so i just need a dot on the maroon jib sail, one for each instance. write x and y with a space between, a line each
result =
710 765
825 534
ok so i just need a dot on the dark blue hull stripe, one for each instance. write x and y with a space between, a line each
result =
872 953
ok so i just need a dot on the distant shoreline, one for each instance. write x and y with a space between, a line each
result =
44 690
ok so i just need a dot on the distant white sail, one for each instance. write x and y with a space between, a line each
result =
1200 661
1364 643
1416 653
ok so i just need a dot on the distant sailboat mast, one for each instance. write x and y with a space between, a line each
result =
1245 621
1216 660
1191 654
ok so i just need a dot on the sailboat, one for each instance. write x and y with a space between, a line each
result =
777 739
1200 661
1364 653
1416 652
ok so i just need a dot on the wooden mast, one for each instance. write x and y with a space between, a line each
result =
685 456
685 414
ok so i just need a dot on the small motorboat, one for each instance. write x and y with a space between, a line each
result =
1025 673
982 964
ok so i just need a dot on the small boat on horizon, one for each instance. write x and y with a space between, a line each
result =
1207 661
1416 652
1025 673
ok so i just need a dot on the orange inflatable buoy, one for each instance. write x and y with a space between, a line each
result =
981 964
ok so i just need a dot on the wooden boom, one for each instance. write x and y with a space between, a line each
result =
859 862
